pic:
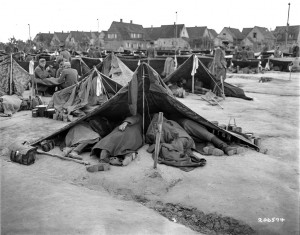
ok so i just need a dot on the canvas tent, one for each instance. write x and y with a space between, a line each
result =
202 74
13 78
146 94
114 68
93 89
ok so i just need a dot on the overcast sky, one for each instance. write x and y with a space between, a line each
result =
66 15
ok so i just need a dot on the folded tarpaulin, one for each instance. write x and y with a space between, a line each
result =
47 81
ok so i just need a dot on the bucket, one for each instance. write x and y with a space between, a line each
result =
230 127
257 141
35 113
249 135
252 139
50 113
41 110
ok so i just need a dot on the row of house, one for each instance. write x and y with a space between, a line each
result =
131 36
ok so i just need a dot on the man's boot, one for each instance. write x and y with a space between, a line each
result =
210 149
104 156
222 145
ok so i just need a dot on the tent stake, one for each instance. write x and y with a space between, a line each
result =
193 84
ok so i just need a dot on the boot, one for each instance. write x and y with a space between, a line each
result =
104 156
222 145
210 149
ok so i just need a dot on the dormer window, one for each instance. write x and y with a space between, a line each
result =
112 35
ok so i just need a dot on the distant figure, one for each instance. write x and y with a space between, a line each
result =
68 76
60 68
219 64
244 54
265 48
277 52
97 53
250 53
64 53
90 51
236 52
296 50
151 53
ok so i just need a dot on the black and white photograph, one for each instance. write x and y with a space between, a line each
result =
149 117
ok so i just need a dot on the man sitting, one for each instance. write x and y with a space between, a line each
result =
68 76
41 71
64 53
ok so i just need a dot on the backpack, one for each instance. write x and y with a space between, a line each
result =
22 153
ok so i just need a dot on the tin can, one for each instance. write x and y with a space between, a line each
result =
257 141
41 110
50 113
231 127
238 129
34 113
249 135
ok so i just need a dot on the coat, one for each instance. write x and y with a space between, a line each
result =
119 143
68 77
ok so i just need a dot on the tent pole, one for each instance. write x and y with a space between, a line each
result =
11 74
143 104
193 84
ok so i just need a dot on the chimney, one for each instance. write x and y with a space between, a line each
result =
121 20
130 21
151 26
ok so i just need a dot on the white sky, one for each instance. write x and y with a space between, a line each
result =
66 15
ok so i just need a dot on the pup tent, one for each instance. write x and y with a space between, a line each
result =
146 94
13 82
114 68
203 75
95 88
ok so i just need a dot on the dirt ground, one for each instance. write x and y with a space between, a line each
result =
241 194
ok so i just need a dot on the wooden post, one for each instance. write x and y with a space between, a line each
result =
193 84
11 75
158 129
143 77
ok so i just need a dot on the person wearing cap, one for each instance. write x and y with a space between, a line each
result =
41 71
68 76
151 53
64 53
277 52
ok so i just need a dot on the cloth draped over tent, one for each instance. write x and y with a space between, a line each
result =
157 98
19 80
204 76
85 93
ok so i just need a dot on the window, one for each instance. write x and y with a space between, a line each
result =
112 35
254 35
224 34
135 35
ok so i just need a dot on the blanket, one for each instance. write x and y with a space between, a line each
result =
10 104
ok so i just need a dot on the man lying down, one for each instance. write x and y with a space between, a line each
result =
116 143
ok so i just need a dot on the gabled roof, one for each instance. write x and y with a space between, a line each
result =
80 35
213 32
164 31
61 36
246 31
196 32
236 33
44 36
293 30
124 29
267 34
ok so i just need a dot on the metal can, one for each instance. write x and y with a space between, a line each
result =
34 113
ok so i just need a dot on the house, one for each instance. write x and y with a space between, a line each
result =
97 38
169 36
257 37
232 35
292 32
78 40
125 36
43 40
58 38
201 37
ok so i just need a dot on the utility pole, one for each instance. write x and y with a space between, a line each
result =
287 27
175 33
29 36
98 24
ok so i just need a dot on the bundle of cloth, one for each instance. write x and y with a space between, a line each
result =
9 104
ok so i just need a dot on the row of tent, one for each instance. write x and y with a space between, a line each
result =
142 91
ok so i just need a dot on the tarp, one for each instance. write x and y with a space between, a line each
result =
246 63
203 75
158 63
285 62
91 62
157 99
87 92
19 80
114 68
